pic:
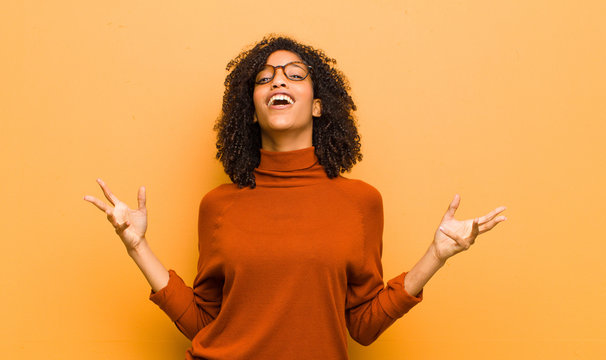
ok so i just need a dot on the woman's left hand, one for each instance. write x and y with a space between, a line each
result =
454 236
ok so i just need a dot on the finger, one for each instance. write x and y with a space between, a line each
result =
122 227
469 240
112 218
454 204
98 203
108 194
141 198
453 236
448 233
489 225
492 214
475 228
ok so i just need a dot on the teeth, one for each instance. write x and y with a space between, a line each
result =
280 97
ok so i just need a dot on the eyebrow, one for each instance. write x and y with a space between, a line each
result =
290 62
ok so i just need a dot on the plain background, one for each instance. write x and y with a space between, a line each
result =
501 102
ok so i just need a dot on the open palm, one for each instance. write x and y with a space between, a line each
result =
130 224
454 236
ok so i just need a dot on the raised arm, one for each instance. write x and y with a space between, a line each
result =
451 237
130 225
371 306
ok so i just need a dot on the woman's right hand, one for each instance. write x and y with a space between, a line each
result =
130 224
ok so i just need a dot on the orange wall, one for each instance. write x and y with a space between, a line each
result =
503 103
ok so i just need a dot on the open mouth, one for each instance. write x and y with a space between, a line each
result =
280 100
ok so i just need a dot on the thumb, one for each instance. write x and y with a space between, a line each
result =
452 208
141 198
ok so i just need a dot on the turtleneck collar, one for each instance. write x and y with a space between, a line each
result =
288 160
289 168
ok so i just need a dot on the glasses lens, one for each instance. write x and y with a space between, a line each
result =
265 74
296 71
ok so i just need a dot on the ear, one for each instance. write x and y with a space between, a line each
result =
255 118
316 110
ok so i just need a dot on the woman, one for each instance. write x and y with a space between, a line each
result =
290 253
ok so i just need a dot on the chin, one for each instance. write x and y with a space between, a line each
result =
280 124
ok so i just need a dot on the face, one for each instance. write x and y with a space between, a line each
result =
294 118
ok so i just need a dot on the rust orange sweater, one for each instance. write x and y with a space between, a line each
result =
288 268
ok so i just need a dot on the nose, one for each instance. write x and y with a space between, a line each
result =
279 78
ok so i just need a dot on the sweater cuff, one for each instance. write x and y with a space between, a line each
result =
174 298
397 301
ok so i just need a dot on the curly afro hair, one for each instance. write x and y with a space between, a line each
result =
335 136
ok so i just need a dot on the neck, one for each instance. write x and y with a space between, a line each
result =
289 168
286 141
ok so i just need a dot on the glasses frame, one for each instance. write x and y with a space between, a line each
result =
284 72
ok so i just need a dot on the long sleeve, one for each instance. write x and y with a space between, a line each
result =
183 307
192 309
287 268
372 307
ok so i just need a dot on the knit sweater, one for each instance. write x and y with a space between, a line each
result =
286 269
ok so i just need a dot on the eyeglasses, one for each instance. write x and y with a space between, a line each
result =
295 71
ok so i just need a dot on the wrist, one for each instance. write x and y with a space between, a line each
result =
422 271
138 249
433 254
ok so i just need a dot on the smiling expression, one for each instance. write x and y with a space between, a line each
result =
285 108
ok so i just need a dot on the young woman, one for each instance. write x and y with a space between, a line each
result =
290 252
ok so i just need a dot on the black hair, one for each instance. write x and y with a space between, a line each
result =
335 135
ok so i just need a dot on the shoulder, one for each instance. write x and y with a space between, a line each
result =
218 197
367 196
